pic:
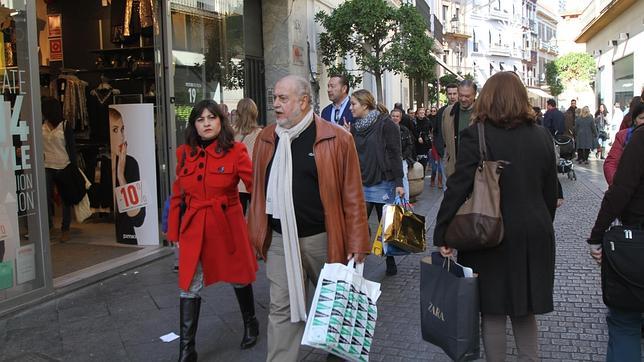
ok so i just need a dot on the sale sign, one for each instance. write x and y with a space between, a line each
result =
134 173
130 197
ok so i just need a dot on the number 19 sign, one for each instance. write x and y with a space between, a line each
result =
130 196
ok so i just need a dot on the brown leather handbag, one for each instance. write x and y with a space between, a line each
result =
478 223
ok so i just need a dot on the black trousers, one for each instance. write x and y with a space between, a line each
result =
582 154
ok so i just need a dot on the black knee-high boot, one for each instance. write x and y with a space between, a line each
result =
247 307
189 314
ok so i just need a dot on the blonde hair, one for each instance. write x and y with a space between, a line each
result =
365 98
247 114
585 112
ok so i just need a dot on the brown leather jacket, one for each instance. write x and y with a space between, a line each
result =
340 185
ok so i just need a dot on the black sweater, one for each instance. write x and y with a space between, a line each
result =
379 152
625 197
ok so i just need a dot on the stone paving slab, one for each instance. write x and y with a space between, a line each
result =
122 318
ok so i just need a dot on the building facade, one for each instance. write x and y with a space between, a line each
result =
613 33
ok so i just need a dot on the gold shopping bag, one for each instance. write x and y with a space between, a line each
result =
403 229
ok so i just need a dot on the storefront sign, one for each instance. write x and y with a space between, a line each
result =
26 264
134 173
130 197
56 49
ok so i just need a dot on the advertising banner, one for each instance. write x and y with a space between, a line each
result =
134 173
9 236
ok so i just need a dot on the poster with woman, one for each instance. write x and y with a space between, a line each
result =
134 173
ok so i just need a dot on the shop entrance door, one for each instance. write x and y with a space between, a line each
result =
205 53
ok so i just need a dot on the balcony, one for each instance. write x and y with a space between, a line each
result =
517 53
547 47
500 49
456 29
437 29
499 14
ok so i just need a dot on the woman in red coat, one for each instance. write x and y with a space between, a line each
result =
211 233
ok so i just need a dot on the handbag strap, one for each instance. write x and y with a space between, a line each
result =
482 145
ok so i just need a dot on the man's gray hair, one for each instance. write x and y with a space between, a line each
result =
302 86
467 83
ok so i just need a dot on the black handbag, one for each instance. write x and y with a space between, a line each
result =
71 184
622 268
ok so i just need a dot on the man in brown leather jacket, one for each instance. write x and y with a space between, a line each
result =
307 208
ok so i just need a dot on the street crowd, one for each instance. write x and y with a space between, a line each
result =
298 193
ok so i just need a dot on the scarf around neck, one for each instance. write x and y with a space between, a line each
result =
279 204
361 124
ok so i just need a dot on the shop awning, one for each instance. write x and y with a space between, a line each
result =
538 92
445 66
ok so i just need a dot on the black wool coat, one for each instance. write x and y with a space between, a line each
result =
515 278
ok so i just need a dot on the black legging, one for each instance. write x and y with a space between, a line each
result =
244 199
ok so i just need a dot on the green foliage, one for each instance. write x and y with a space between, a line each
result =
340 68
381 38
579 67
451 78
553 80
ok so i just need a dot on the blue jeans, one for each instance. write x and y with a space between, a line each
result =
624 333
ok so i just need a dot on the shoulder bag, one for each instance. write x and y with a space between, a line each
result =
623 268
478 223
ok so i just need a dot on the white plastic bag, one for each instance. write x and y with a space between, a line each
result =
342 319
83 209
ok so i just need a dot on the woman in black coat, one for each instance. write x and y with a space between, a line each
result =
515 278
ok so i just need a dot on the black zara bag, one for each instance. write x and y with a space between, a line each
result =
449 310
623 268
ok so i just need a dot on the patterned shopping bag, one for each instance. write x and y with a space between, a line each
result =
346 324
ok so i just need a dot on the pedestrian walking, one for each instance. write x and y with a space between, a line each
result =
601 123
377 141
59 151
338 111
307 208
516 277
621 139
438 144
456 118
246 131
211 233
624 201
423 137
554 119
569 119
585 135
407 147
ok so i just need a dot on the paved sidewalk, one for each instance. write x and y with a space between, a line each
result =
122 318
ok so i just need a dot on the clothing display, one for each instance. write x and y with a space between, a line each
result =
131 18
8 43
98 102
70 90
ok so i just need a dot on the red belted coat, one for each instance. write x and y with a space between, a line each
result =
213 228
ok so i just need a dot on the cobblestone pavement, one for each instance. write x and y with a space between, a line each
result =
122 318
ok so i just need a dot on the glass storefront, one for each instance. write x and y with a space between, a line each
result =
151 61
24 265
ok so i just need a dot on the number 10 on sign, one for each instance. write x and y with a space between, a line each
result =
130 196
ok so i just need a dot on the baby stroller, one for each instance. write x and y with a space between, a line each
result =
565 146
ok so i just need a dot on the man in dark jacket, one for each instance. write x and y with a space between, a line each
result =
553 120
451 90
422 136
569 118
338 111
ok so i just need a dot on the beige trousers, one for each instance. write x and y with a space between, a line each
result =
284 337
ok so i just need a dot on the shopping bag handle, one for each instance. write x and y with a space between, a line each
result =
359 268
404 203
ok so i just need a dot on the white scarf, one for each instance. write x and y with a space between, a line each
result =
279 203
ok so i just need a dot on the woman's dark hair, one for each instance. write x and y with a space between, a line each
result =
52 111
636 110
604 113
226 137
503 101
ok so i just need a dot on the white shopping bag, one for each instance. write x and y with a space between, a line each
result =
343 314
